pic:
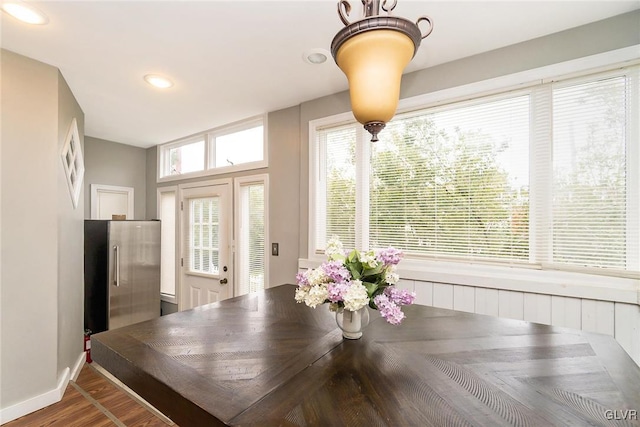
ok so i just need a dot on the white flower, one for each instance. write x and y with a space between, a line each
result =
301 294
391 277
317 295
334 250
316 276
369 259
356 296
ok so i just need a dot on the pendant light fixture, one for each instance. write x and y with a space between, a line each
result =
373 52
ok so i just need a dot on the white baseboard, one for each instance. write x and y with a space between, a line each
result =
43 400
78 366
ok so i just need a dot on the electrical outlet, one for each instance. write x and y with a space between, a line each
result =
274 249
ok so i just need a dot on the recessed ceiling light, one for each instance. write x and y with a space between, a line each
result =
315 56
158 81
24 12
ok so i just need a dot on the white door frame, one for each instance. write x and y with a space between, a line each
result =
181 234
96 189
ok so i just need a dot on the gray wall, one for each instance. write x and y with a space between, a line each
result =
70 243
111 163
41 233
151 200
284 193
610 34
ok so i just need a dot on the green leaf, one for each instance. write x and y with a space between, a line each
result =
354 269
367 272
371 288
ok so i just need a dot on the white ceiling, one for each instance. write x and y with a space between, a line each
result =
231 60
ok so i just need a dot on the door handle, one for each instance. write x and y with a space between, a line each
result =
116 265
224 281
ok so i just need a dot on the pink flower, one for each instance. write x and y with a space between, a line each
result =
301 279
336 291
399 296
389 256
389 310
336 271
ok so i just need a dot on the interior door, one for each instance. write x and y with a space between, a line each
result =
206 254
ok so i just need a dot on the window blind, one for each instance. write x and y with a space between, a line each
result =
204 235
454 182
548 175
589 210
168 242
252 238
336 207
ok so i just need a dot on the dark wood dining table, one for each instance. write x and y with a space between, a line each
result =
264 360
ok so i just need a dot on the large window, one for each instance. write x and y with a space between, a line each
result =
544 176
241 146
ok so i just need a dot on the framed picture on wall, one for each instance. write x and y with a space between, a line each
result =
73 162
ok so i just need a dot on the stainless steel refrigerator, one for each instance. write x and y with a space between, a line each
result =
121 273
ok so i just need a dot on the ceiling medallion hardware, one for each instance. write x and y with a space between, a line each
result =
373 52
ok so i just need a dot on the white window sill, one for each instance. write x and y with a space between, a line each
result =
548 282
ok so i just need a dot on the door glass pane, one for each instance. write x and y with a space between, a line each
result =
251 238
204 243
168 242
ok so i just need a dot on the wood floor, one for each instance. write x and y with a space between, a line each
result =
93 401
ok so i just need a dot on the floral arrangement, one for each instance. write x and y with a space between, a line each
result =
352 280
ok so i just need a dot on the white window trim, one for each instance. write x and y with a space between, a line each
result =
209 135
163 156
562 283
171 189
240 182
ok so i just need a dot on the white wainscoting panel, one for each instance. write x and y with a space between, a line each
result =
511 304
537 308
598 316
409 285
443 295
487 301
566 312
627 328
619 320
424 293
464 298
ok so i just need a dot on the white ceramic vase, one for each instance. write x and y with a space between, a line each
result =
352 322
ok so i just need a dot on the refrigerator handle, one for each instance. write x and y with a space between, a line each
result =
116 264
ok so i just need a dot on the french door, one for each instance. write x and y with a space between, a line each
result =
206 256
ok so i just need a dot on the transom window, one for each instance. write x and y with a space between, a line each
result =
544 176
237 147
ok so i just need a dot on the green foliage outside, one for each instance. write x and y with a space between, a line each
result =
438 193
